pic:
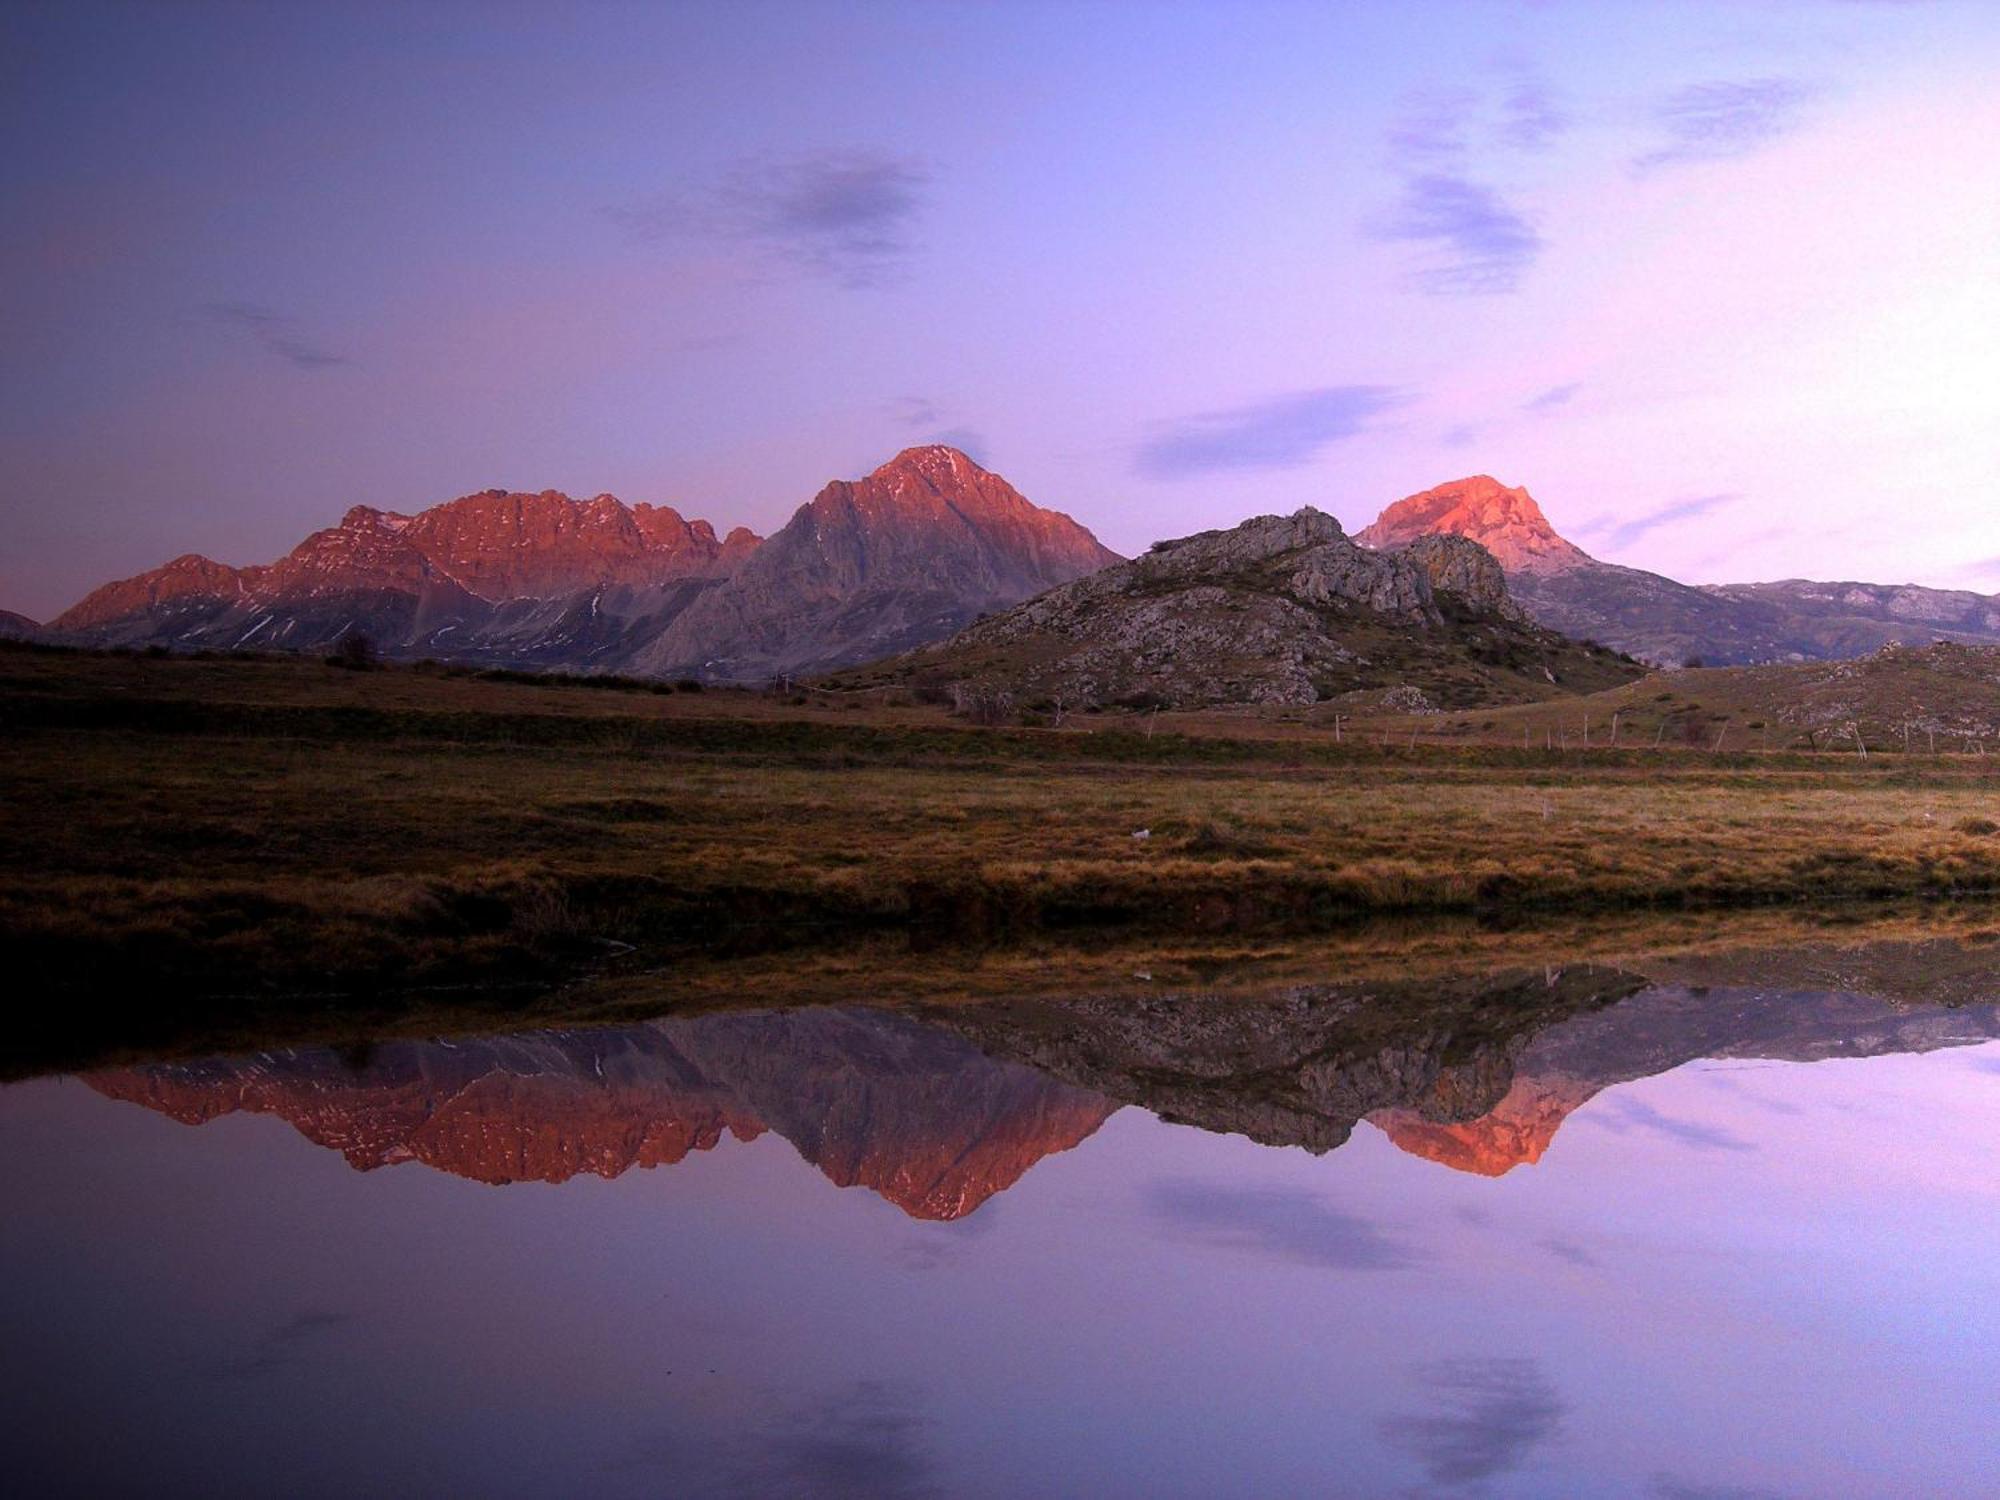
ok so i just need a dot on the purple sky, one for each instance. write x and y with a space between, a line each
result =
1716 281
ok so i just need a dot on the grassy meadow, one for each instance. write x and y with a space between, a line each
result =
281 825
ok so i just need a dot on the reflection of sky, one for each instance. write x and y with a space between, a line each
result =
1768 1278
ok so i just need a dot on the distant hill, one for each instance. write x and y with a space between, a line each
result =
1943 697
1660 620
15 627
907 555
1278 610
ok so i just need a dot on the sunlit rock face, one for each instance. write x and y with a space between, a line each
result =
869 567
1506 522
1516 1131
870 1099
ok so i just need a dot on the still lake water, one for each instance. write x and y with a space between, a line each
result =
1652 1241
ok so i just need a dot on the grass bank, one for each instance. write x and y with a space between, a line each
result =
285 827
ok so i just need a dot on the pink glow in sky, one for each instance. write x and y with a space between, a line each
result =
1716 281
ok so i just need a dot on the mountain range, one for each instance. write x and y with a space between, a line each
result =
1656 619
867 568
907 557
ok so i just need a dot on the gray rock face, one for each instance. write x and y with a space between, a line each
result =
1459 566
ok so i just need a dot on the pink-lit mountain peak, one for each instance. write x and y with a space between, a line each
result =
1505 520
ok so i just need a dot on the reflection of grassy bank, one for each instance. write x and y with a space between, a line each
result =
285 827
1920 955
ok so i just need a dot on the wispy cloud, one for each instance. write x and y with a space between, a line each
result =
1493 1414
1569 1250
1554 396
922 412
282 1346
1469 239
274 332
1531 118
1629 1114
1474 242
915 411
849 217
1280 433
1618 532
864 1441
1431 126
1718 121
1274 1222
1669 1487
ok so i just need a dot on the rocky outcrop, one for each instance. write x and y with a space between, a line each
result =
1463 570
905 556
1279 610
1299 1066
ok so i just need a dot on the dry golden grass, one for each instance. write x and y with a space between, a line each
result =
281 825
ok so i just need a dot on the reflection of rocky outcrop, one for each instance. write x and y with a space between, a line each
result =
870 1098
1566 1066
1298 1067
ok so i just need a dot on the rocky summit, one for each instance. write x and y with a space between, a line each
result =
907 555
1660 620
870 567
1281 610
1506 522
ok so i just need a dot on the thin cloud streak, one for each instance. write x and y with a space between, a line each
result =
273 331
848 217
915 411
1278 1223
1555 396
1718 121
1616 534
1281 433
1628 1114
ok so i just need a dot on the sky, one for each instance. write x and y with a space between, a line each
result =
1716 282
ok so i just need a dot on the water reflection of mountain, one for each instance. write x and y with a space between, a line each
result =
1476 1077
939 1110
870 1098
1564 1067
